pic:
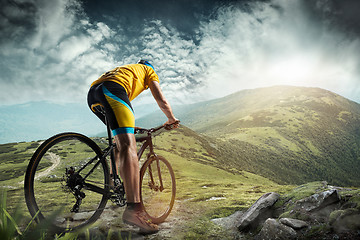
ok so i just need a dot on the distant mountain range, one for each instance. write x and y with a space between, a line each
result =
288 134
40 120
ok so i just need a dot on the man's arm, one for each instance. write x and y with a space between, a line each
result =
162 102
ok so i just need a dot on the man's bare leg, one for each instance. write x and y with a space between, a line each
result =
130 174
128 165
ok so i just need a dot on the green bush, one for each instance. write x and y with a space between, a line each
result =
6 148
10 226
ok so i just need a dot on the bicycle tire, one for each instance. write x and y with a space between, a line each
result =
157 202
49 195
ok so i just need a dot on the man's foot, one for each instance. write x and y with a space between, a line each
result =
139 219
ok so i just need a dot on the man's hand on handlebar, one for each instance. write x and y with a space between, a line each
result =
172 124
168 126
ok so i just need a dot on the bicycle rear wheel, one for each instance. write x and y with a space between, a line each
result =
56 187
158 188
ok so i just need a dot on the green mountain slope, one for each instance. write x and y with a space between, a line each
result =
289 134
204 185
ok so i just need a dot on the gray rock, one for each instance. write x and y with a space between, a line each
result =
318 200
294 223
345 220
82 216
272 229
258 212
228 222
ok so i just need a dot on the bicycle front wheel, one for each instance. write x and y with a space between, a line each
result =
66 182
158 188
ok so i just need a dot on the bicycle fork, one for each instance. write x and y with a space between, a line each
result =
152 184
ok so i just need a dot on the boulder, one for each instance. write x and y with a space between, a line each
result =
258 212
294 223
228 222
342 221
317 207
325 215
273 229
318 200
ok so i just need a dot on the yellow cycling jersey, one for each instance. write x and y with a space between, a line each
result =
135 78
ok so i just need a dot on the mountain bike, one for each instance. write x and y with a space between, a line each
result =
68 182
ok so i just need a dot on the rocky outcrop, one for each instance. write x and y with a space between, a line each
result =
345 220
318 201
294 223
328 212
258 212
273 229
230 222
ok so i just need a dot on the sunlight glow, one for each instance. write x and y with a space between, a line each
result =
298 70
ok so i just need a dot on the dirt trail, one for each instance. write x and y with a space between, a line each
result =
112 215
55 159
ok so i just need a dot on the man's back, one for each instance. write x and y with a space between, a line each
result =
135 78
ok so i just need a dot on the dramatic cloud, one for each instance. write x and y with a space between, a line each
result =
53 49
277 43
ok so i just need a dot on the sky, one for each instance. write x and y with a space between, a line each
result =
203 49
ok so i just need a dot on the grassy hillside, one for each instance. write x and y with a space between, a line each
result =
200 176
14 158
205 187
288 134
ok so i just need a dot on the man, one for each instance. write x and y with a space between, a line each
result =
115 90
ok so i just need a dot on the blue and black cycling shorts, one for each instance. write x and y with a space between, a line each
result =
113 97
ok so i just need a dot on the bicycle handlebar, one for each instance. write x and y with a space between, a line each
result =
155 129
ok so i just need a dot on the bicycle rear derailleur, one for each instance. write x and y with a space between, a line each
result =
74 182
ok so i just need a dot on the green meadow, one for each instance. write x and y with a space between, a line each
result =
206 188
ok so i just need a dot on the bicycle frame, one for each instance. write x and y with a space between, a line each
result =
110 151
147 144
119 189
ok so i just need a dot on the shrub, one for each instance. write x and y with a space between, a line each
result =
10 229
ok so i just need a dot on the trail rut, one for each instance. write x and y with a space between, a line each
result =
55 159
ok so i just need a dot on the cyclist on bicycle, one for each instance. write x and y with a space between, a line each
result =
115 90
